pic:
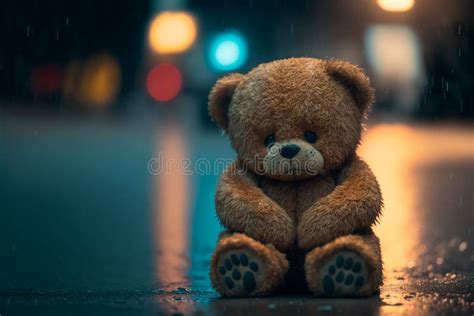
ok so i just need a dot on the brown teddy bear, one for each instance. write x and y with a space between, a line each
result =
298 203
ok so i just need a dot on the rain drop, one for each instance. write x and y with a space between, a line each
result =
462 246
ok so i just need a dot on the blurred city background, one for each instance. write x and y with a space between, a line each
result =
92 92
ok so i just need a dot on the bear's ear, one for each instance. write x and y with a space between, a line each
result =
355 80
220 98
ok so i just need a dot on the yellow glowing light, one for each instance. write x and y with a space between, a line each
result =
172 32
100 81
396 5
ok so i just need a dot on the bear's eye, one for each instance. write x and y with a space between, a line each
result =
269 140
310 137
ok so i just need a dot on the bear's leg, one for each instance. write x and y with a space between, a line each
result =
242 266
348 266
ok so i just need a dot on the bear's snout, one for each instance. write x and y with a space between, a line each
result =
289 151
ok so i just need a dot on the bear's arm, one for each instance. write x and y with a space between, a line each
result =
243 207
354 205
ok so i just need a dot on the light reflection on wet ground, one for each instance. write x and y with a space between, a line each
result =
170 208
425 173
418 168
426 177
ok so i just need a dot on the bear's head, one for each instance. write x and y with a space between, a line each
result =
295 118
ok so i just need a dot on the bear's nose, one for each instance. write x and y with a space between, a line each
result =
289 151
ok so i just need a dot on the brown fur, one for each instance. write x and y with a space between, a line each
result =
243 207
298 212
275 261
353 206
367 245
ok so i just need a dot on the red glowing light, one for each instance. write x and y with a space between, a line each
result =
46 79
164 82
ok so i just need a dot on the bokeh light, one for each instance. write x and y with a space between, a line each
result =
46 79
172 32
393 52
164 82
396 5
228 51
100 81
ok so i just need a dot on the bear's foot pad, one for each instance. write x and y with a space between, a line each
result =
241 272
343 274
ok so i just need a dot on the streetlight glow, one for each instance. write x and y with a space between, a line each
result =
396 5
172 32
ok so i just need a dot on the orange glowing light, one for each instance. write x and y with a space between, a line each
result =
396 5
100 81
172 32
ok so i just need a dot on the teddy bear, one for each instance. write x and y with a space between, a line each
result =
297 204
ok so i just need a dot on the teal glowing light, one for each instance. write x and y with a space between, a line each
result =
228 51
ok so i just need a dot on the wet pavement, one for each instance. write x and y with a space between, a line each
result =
86 228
